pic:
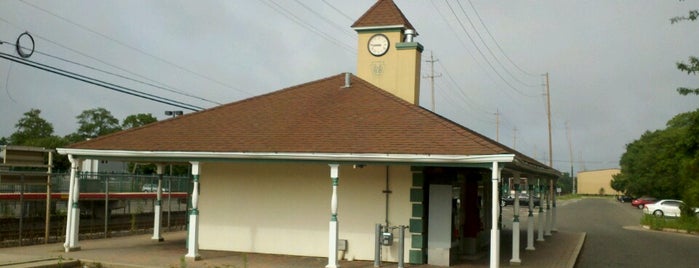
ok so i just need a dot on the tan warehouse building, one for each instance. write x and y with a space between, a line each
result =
597 182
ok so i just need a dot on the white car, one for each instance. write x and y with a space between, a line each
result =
152 187
665 207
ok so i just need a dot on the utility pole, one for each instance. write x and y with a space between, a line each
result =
514 138
432 76
570 149
548 113
497 125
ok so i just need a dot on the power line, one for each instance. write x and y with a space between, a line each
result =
162 86
291 16
496 42
483 55
134 48
117 75
100 83
338 27
338 11
497 60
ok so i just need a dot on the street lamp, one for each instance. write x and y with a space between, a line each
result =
169 179
174 113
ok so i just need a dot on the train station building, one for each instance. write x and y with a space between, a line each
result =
314 169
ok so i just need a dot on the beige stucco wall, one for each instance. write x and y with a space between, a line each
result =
284 208
590 182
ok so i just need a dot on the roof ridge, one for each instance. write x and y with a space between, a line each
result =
383 13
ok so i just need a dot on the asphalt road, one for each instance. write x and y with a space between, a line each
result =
615 239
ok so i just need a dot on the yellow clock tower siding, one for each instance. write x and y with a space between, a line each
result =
398 70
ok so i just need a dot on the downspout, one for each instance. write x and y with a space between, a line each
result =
387 191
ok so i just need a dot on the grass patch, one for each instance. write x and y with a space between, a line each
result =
689 224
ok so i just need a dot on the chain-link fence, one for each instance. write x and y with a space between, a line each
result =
118 204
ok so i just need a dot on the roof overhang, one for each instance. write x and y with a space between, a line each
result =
164 156
509 162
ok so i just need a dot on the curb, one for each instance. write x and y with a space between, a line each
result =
576 252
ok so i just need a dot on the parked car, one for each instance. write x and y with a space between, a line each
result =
624 198
523 200
642 201
665 207
153 187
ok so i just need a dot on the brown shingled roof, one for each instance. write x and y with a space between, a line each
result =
383 13
316 117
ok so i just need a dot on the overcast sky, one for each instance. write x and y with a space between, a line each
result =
611 64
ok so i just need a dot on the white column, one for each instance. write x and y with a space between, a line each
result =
553 213
73 207
69 208
333 234
542 199
547 226
495 206
515 224
530 217
157 210
193 232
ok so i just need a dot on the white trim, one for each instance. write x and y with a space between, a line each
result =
383 27
332 157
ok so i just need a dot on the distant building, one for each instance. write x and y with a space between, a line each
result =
104 166
597 182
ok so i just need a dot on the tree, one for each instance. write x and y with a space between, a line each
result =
663 163
94 123
30 128
137 120
692 66
3 141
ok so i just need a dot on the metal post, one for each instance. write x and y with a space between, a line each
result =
106 206
21 207
401 244
47 224
377 245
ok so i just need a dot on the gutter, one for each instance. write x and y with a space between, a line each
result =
324 157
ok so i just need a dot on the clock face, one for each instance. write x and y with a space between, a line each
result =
378 45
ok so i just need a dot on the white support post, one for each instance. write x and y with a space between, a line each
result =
72 233
547 227
74 166
530 217
542 199
157 209
515 224
495 206
193 232
333 233
553 212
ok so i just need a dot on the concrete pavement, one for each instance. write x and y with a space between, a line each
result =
559 250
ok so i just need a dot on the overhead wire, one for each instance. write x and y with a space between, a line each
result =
161 86
135 48
497 44
100 83
294 18
497 60
490 64
338 11
342 29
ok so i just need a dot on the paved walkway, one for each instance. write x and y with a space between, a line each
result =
559 250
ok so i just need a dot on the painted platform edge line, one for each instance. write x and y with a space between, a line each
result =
576 252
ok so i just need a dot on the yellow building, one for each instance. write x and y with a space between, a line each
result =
597 182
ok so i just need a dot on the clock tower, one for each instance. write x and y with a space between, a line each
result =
387 56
